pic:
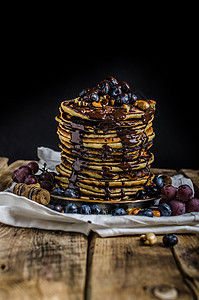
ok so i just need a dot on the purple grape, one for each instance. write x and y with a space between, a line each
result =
185 193
168 192
14 176
192 205
177 207
47 185
34 166
30 179
22 173
46 176
53 174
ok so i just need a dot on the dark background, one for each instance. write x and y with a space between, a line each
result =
36 79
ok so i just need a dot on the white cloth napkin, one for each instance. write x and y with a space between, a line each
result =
20 211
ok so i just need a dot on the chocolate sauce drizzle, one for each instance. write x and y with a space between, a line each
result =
77 144
128 137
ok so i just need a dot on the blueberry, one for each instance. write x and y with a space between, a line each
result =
119 212
159 182
94 96
58 207
141 194
70 193
115 91
83 92
152 191
71 208
104 211
86 97
164 209
95 209
118 101
134 98
170 240
58 191
124 98
112 81
85 209
125 86
145 212
103 88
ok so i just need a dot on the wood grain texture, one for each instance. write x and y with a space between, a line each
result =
124 268
5 176
169 172
3 164
41 264
187 256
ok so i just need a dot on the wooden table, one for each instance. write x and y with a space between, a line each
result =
42 264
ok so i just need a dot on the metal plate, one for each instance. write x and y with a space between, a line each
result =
105 205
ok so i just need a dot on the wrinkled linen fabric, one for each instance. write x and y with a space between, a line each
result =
22 212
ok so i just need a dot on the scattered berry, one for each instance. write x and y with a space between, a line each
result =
58 207
58 191
71 208
170 240
164 209
95 209
145 212
159 182
71 193
141 194
152 191
119 212
85 209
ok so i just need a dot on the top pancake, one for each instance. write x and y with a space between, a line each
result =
81 109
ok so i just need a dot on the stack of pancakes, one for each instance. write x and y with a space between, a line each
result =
105 148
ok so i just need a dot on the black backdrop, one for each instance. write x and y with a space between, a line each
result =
36 81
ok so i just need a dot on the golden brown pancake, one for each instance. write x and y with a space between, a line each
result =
105 148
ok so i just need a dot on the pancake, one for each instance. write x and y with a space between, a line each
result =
105 147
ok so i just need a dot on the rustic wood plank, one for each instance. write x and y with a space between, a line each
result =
193 175
124 268
169 172
3 164
5 177
41 264
187 255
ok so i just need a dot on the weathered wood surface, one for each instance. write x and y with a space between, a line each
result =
41 264
127 269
